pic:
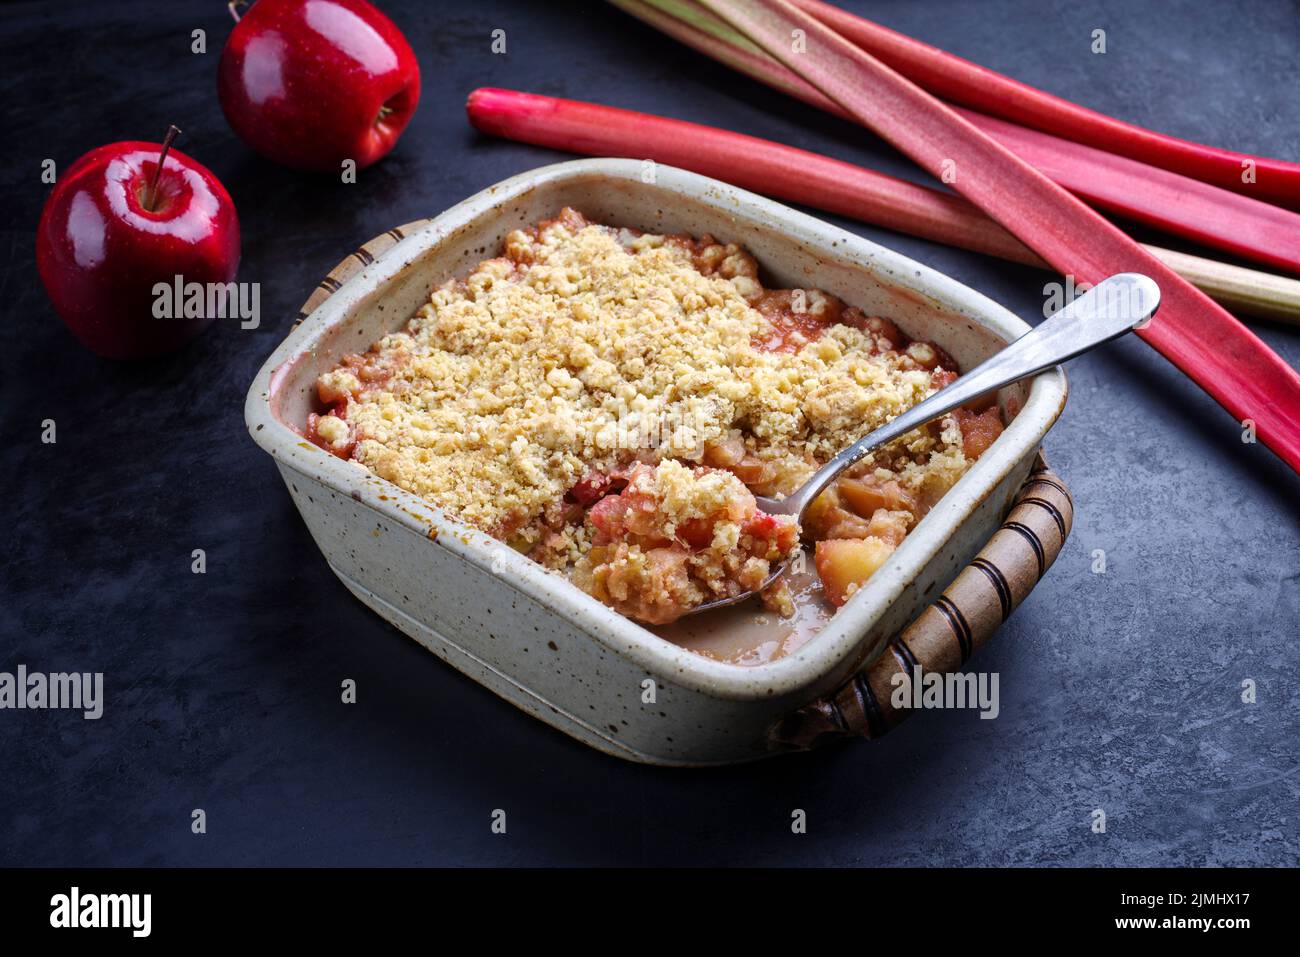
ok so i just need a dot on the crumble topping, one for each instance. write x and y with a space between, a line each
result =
584 346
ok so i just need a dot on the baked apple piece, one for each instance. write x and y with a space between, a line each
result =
844 564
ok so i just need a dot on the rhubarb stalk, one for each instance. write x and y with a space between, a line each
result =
746 161
970 84
1177 204
1156 197
1194 333
821 182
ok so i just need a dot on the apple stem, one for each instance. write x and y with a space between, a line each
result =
172 133
234 5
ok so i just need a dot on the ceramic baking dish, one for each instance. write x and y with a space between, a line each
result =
529 635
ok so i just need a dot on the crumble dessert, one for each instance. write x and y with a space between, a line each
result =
609 402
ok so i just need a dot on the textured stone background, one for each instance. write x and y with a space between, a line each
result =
1119 691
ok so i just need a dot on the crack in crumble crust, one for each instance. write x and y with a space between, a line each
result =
529 390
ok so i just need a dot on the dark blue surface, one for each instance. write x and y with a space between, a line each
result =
1119 691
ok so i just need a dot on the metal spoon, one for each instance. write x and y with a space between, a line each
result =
1117 305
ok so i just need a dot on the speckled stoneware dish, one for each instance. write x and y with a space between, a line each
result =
529 635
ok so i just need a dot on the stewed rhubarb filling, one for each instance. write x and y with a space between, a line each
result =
609 402
676 537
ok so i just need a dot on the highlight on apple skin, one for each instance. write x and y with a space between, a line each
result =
114 226
312 83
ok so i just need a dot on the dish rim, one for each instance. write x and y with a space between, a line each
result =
840 637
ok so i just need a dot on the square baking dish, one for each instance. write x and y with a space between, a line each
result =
530 635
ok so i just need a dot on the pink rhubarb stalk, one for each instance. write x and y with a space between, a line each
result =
1195 334
746 161
970 84
1177 204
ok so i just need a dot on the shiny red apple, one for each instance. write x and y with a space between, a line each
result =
312 83
116 225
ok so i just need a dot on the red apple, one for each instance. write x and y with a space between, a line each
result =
115 225
311 83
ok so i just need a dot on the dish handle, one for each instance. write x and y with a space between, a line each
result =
944 636
357 260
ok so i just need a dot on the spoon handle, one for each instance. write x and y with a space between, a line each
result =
1111 308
